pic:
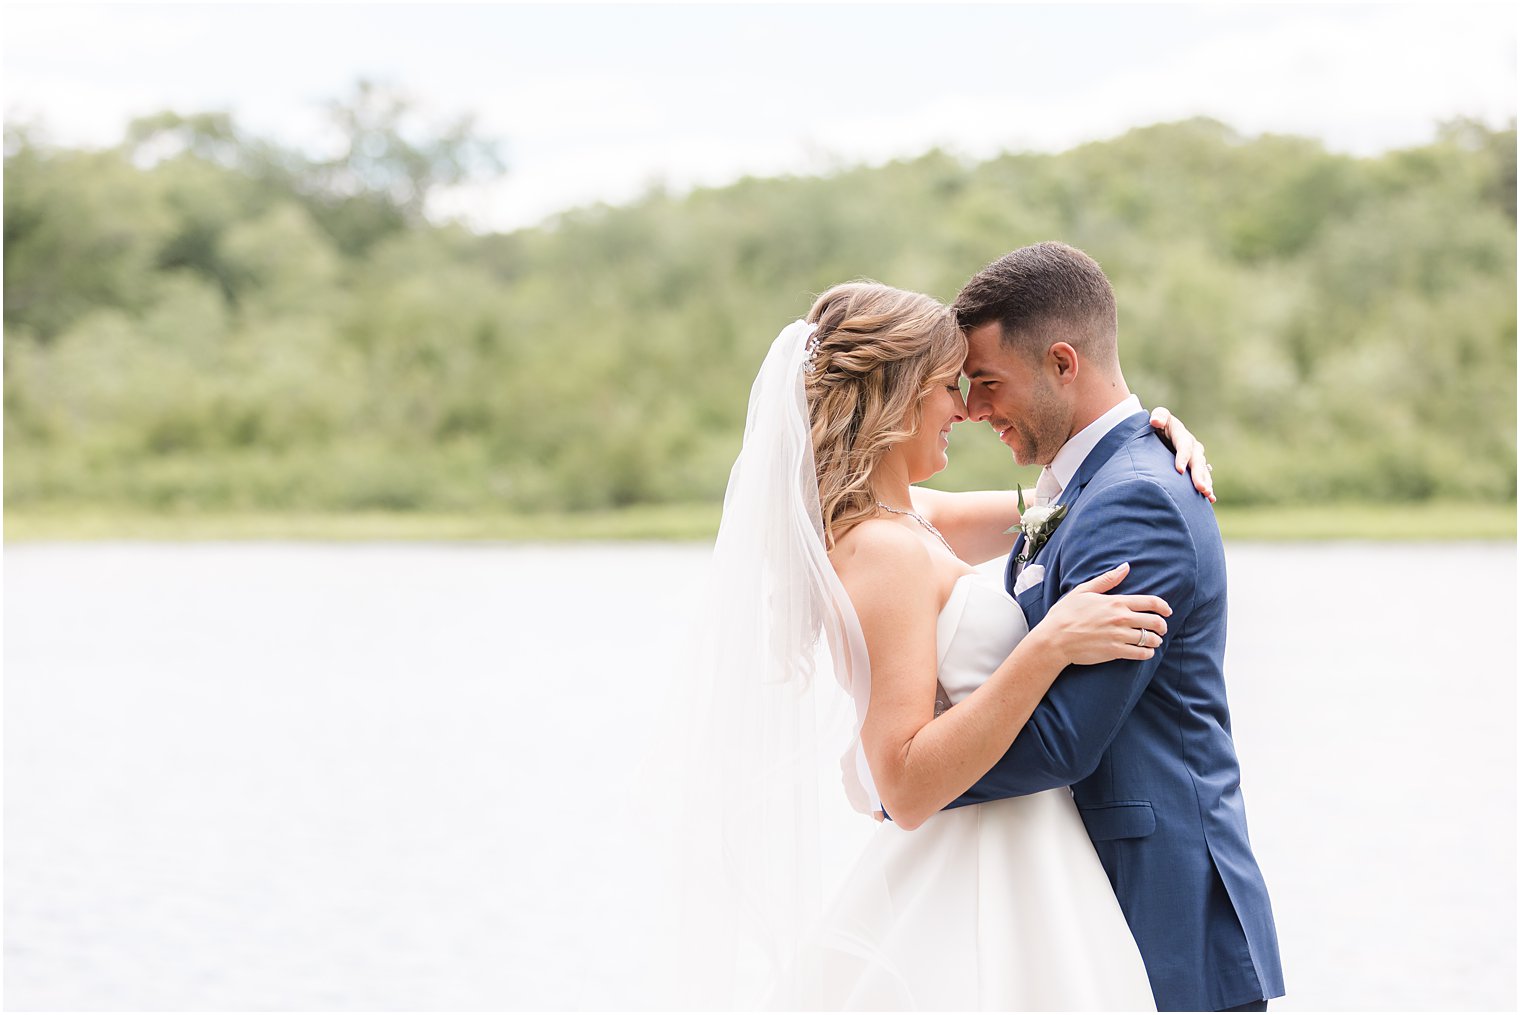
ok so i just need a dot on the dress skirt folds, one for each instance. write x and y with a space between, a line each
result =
996 906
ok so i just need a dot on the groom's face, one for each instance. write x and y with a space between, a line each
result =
1016 395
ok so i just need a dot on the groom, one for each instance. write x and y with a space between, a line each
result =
1144 745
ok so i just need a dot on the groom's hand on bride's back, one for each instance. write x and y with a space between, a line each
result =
1092 625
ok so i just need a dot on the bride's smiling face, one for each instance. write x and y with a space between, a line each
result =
926 452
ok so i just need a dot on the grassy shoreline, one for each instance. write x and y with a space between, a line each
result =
697 523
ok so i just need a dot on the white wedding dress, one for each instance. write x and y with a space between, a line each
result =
1000 905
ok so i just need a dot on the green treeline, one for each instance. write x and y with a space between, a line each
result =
200 320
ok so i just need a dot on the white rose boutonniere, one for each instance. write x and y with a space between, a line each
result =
1037 524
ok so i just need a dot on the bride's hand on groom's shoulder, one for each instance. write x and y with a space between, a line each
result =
1090 625
1189 449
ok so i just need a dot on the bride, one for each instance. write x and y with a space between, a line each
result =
1000 905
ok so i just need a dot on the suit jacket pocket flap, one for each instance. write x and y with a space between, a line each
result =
1130 819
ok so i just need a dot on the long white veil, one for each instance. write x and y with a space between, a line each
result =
755 737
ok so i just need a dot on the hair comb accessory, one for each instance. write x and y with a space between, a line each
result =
812 348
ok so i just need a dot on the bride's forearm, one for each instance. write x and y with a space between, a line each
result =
952 751
975 523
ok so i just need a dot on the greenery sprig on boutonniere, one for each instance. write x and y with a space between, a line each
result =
1037 524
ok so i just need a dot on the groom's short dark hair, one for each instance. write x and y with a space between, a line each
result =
1045 291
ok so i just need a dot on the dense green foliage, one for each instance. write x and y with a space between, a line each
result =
198 320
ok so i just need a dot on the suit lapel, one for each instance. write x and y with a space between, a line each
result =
1127 430
1008 572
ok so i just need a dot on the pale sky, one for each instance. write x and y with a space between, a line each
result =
595 102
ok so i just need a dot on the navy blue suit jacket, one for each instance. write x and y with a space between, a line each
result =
1146 746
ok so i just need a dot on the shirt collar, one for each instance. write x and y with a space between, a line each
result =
1075 451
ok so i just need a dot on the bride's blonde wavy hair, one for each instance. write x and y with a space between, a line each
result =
880 352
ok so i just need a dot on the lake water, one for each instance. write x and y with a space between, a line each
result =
375 776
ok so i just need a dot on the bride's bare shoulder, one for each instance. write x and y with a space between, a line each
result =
880 551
